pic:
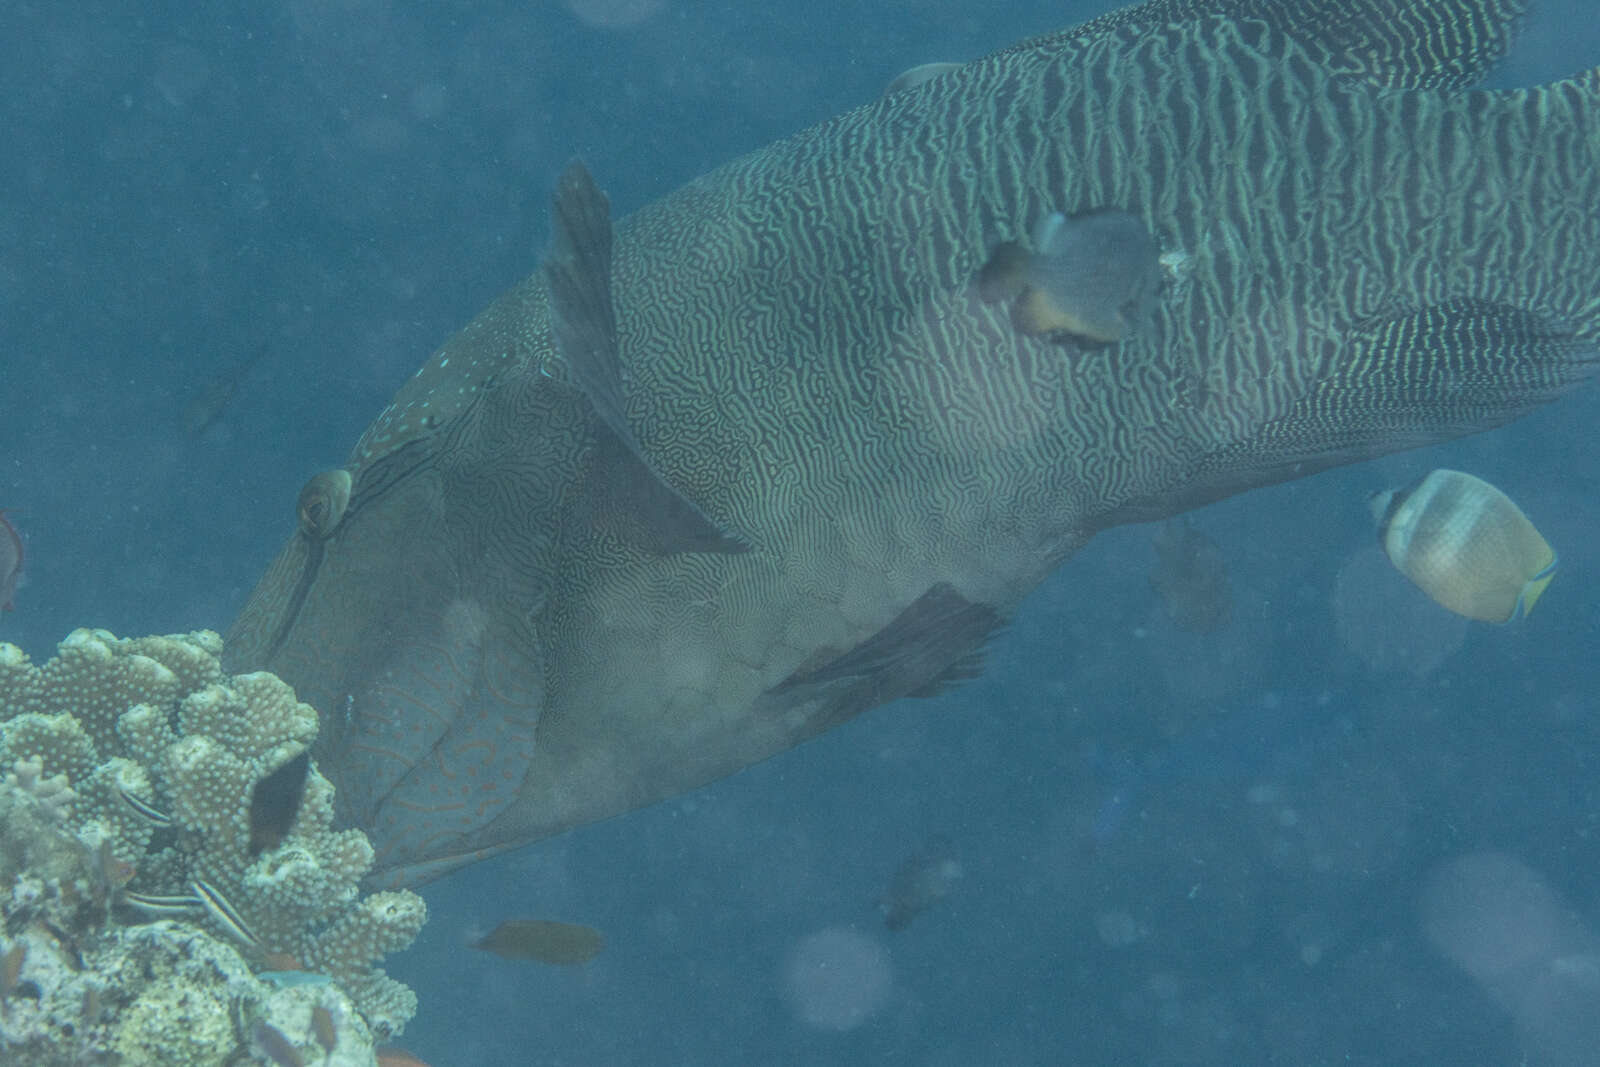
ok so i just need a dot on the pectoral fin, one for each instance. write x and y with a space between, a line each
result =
935 642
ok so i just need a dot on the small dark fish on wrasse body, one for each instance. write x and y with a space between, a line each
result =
275 801
212 398
1191 578
926 877
11 555
543 941
1092 277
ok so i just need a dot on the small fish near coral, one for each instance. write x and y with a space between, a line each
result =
543 941
1466 544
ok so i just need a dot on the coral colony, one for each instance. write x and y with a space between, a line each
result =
171 889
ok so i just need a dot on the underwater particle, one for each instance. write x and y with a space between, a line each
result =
614 14
1191 578
1465 544
1119 929
275 801
923 879
1526 947
542 941
837 978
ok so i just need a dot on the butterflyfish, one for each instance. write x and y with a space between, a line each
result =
542 941
1465 544
1090 277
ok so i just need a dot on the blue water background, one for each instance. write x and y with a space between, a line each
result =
348 181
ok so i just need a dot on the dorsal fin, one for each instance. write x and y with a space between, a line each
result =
1399 44
630 499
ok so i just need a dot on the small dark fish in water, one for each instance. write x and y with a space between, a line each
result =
323 1027
11 555
1191 578
212 398
270 1042
275 801
1091 277
543 941
926 877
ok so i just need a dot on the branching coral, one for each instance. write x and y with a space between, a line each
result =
130 766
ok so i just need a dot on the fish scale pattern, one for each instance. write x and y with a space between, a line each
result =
1359 253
